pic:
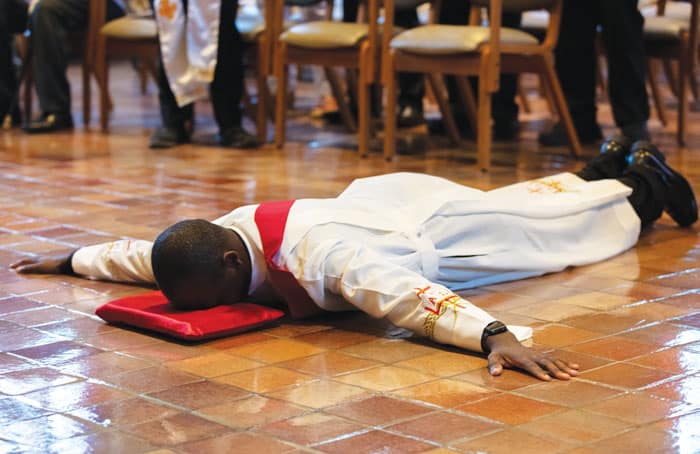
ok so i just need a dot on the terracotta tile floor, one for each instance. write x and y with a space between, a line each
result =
69 383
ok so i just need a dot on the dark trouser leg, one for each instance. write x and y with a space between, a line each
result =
227 87
648 192
624 46
172 115
50 23
575 60
411 85
13 19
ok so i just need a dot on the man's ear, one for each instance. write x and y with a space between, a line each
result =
232 258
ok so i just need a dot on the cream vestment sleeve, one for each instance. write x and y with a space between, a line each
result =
117 261
404 297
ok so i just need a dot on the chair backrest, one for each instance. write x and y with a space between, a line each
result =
517 6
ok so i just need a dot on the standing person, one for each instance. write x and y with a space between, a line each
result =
576 59
13 19
196 54
50 22
399 246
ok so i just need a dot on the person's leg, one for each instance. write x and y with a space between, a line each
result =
13 19
177 122
50 23
504 108
575 62
623 39
411 85
454 12
227 86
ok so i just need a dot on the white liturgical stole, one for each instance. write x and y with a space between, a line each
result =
189 43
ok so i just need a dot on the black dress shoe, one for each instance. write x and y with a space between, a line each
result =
557 137
611 162
680 201
237 137
167 137
49 122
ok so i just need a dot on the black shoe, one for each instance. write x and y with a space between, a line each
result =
168 137
680 201
49 122
610 163
409 116
237 137
557 137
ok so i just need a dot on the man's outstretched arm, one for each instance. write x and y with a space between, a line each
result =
411 301
45 264
117 261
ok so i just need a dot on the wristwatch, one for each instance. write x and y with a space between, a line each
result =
491 329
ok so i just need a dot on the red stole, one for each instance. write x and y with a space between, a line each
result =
271 220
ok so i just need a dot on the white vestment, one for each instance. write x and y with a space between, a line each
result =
398 245
189 42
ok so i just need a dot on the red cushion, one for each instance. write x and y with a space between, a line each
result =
152 311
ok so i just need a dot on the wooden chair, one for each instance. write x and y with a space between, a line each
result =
668 38
256 36
328 44
485 51
126 37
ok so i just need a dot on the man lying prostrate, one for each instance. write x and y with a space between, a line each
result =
399 245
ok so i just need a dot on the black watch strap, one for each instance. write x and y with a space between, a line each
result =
493 328
67 267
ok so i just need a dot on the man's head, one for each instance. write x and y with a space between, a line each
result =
198 265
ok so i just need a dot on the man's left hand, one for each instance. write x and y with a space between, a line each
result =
507 352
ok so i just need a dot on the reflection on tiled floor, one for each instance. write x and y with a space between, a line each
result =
341 384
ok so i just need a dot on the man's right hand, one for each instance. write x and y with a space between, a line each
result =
44 264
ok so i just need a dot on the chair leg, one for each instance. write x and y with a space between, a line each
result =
467 95
343 107
390 111
281 74
483 132
554 88
261 86
670 76
652 68
547 95
363 100
102 76
435 81
683 64
87 93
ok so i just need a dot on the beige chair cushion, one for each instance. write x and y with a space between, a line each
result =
664 28
454 39
129 27
325 34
